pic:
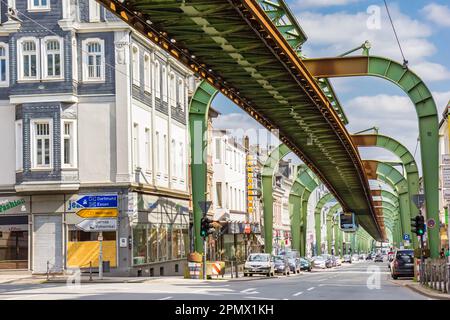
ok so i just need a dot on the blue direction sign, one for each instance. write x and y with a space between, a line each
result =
406 237
98 201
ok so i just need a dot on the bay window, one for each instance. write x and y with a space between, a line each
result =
52 63
28 55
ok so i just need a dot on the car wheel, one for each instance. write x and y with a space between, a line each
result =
268 274
394 277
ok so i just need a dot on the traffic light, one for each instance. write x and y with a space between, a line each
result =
418 225
207 227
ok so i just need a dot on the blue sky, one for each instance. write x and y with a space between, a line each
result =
335 26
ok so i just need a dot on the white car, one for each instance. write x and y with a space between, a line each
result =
319 262
259 263
355 258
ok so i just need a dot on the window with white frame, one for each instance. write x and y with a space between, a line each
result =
28 59
164 83
38 5
69 156
173 152
52 62
165 155
4 73
19 145
158 153
182 163
135 64
94 11
157 77
180 93
172 90
147 72
218 150
148 153
135 145
42 144
93 60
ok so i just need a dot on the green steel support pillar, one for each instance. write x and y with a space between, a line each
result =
317 220
198 117
267 193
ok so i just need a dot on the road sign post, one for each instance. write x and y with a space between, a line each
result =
100 256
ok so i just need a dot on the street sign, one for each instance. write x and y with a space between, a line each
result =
204 206
406 237
418 200
431 223
98 225
98 213
98 201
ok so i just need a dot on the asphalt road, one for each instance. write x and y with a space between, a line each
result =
364 280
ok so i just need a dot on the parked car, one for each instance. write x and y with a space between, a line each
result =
347 259
369 256
355 258
305 264
328 260
281 265
378 258
362 257
295 265
403 264
319 262
337 262
259 263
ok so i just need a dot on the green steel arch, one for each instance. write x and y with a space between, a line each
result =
425 108
409 163
198 121
331 212
295 208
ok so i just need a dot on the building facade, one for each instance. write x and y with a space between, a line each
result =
92 109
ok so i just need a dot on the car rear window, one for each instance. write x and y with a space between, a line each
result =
406 256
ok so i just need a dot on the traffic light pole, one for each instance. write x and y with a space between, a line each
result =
204 258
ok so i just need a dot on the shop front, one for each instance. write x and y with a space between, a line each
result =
238 240
14 232
160 235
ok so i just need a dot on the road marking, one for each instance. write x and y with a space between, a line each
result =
297 294
166 298
259 298
249 291
320 280
24 297
309 289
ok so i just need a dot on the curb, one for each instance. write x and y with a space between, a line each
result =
422 291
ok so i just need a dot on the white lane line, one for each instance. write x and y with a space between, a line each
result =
166 298
249 291
297 294
259 298
309 289
320 280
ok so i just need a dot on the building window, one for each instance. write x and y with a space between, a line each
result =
172 90
157 77
135 64
148 153
94 60
135 145
42 144
158 153
19 145
52 64
69 159
147 72
180 93
218 151
4 74
38 5
173 153
165 154
181 158
28 54
94 11
164 84
219 194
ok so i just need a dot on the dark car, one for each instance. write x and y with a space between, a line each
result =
403 264
282 264
295 265
305 264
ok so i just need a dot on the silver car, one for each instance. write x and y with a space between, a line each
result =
259 263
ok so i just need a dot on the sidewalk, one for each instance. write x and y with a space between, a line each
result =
417 287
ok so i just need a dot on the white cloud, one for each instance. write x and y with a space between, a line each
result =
321 3
429 71
438 14
336 33
441 99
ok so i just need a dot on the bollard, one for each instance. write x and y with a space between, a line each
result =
90 270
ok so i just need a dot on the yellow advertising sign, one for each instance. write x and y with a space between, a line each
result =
98 213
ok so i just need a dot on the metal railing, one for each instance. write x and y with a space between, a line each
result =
435 274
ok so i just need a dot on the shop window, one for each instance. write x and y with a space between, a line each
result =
140 245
